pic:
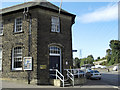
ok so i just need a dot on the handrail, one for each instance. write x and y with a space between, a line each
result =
62 79
58 75
75 72
72 76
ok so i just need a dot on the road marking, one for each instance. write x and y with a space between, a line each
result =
115 86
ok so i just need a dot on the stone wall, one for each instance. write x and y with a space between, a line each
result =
42 38
47 38
11 40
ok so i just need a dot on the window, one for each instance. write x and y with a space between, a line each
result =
0 58
55 24
54 50
1 28
18 25
17 58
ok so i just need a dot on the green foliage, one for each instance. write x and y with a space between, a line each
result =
111 62
98 58
90 59
79 62
104 63
108 58
113 54
83 61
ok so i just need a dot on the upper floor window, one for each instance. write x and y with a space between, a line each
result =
18 25
55 24
17 58
1 28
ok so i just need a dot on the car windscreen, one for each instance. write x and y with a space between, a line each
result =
94 71
81 71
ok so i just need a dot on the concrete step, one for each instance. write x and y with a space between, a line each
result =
66 83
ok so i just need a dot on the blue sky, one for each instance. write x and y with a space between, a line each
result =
95 25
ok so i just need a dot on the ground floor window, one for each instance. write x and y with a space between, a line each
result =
17 58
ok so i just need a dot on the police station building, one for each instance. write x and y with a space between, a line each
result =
35 38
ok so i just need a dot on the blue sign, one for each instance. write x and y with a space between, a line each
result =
74 50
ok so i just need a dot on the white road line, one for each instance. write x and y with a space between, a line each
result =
115 86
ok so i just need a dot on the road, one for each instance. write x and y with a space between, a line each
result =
109 80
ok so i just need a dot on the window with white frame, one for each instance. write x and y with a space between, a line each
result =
0 58
1 28
17 58
55 24
54 50
18 25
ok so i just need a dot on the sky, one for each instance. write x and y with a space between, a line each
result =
96 23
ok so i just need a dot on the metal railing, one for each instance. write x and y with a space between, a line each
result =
70 75
75 72
58 75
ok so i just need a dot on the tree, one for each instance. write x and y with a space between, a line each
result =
90 59
77 62
98 58
104 63
115 52
108 55
83 61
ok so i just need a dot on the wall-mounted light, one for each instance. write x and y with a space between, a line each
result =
66 62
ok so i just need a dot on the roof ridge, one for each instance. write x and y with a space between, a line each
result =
42 3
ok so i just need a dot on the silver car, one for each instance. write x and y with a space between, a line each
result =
93 74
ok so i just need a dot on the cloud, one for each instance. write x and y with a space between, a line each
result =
108 13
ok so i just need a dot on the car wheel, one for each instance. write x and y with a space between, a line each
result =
87 77
99 78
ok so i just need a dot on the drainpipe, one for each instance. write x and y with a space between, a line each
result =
29 45
29 36
28 15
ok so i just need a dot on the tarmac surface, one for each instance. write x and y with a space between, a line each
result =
109 80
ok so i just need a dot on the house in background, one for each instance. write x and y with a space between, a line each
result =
36 30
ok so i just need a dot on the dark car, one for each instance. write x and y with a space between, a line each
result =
79 73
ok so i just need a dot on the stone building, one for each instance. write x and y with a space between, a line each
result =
37 30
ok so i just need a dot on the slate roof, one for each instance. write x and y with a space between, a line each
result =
41 3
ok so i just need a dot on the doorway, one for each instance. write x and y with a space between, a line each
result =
54 60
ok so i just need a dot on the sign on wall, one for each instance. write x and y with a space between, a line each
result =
27 61
43 66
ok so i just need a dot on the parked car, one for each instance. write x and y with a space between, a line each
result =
98 66
79 73
115 68
93 74
88 70
104 67
83 67
93 67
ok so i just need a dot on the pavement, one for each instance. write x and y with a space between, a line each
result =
107 82
18 84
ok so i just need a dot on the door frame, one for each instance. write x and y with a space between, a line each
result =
51 54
